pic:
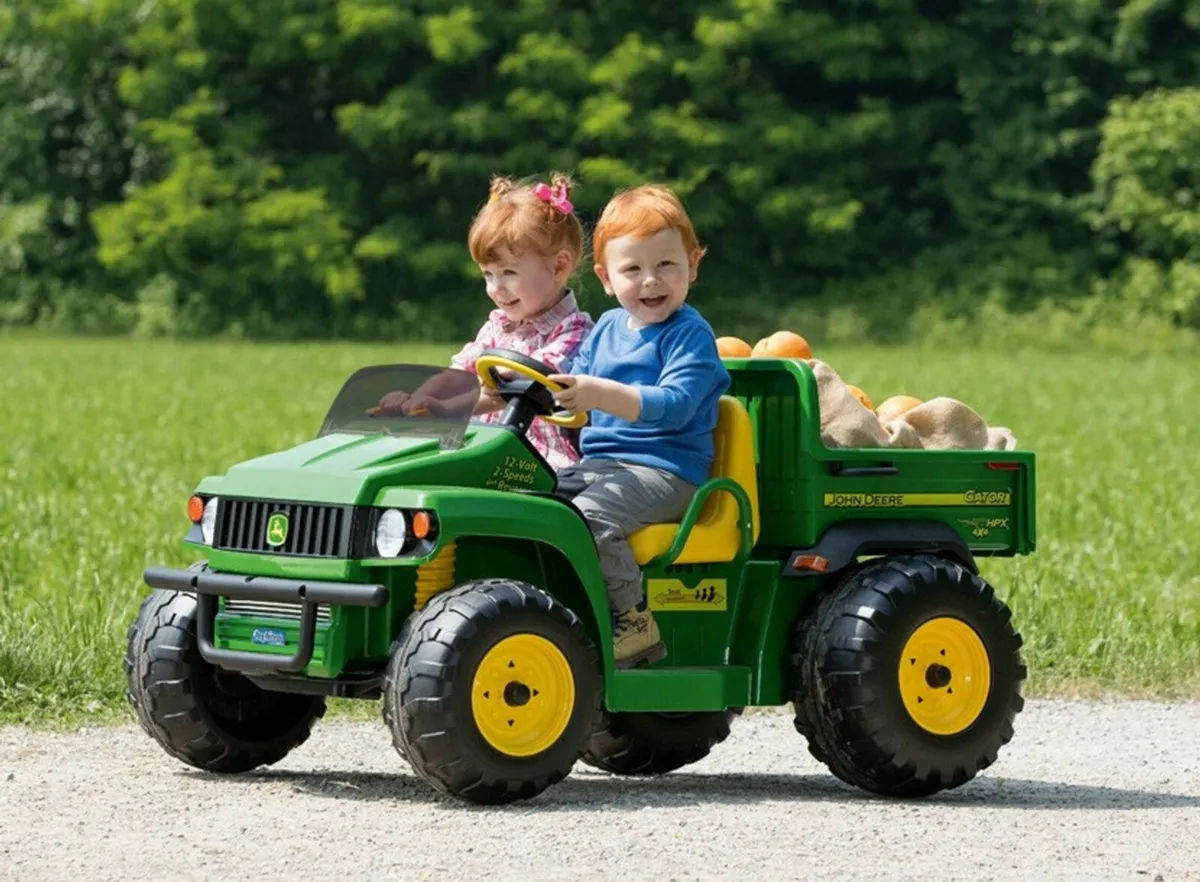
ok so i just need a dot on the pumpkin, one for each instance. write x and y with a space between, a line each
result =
861 396
782 344
733 347
895 406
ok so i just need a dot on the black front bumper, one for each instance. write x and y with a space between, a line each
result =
208 586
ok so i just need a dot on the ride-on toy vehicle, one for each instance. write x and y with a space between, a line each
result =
425 559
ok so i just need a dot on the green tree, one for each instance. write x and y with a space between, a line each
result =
1148 181
306 169
65 148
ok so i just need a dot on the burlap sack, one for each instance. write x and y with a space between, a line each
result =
938 424
1000 438
844 420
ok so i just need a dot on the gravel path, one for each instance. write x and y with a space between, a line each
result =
1085 791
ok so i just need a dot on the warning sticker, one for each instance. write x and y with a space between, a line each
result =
667 595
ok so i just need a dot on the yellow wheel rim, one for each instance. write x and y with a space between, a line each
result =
945 676
523 695
484 362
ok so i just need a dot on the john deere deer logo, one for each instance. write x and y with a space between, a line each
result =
277 529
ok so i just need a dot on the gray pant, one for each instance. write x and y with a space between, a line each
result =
618 498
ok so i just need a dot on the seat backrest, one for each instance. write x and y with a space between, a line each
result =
733 443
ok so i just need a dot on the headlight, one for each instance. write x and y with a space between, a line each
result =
390 533
208 521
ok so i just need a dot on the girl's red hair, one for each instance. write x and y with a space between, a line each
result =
517 219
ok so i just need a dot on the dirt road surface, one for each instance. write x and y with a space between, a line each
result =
1088 791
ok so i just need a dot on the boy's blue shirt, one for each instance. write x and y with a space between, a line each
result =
677 369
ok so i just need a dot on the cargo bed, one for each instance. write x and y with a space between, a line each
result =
987 497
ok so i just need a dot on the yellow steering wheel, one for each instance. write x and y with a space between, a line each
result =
490 361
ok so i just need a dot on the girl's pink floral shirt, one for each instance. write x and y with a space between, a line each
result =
551 338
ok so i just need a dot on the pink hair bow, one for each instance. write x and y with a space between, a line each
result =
556 197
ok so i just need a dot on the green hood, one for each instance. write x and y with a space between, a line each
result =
345 468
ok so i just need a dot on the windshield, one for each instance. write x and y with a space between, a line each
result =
405 399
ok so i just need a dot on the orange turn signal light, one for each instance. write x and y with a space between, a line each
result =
813 562
195 509
421 523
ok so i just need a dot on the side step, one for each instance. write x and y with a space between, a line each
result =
678 689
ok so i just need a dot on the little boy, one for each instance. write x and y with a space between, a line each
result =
651 377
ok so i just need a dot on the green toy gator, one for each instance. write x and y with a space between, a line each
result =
425 560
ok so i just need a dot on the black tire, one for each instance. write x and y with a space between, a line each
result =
428 691
209 718
133 679
849 701
645 743
396 652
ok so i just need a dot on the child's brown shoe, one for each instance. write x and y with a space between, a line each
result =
636 639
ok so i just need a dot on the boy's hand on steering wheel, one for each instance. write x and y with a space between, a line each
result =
584 393
581 393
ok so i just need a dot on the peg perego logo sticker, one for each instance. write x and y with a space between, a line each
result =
268 637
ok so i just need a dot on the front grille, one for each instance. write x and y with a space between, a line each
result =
271 609
313 530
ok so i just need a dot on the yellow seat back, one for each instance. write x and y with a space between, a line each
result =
715 538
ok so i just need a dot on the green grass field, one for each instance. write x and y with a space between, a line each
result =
102 442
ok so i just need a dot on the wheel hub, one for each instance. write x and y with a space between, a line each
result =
517 694
944 676
937 676
522 695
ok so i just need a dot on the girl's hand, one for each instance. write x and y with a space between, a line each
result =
421 404
392 403
489 401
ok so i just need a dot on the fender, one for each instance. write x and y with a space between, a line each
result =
505 514
842 543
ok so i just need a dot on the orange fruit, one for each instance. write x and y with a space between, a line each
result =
782 344
895 406
861 396
733 347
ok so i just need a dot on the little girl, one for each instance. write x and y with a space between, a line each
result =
527 242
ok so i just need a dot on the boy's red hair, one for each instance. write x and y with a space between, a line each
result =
641 212
518 219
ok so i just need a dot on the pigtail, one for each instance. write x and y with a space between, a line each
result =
499 186
534 215
568 231
560 183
